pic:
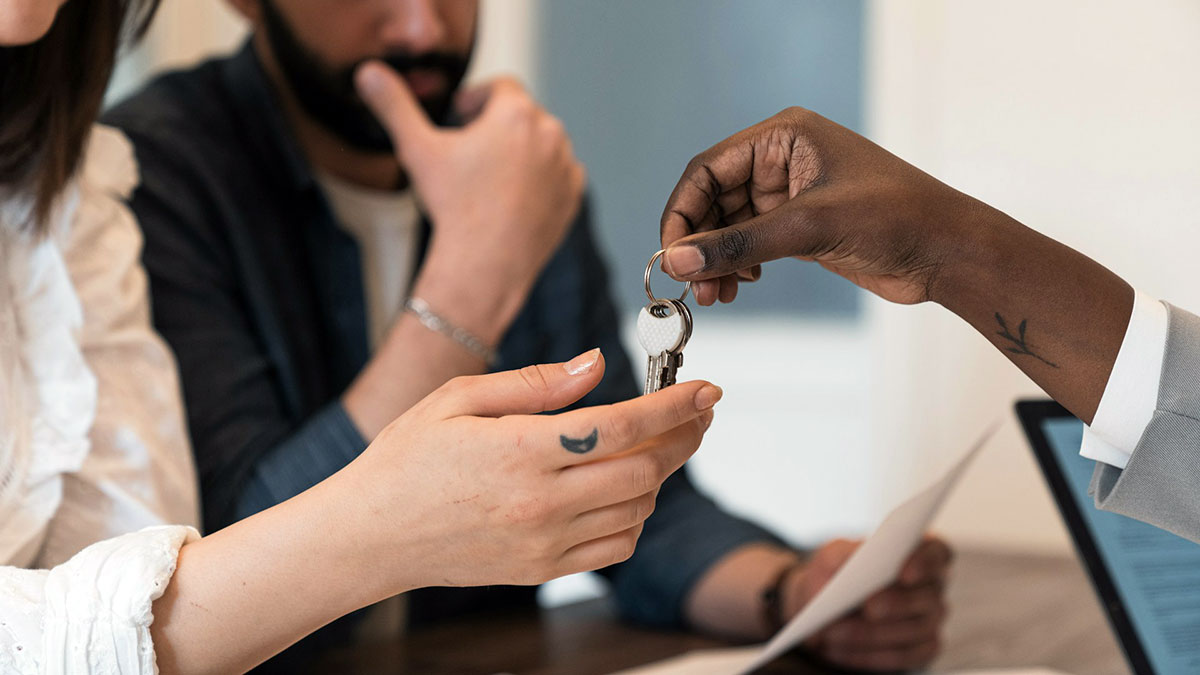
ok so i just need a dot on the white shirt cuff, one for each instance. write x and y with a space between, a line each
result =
1131 395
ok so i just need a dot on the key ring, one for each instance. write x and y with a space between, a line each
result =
687 285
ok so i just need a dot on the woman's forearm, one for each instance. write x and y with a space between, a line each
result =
245 593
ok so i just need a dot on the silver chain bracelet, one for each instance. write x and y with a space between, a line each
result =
434 322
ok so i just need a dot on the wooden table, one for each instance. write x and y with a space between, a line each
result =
1006 610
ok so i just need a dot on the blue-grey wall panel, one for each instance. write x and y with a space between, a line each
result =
643 85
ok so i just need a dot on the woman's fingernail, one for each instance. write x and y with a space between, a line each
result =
582 363
682 261
706 419
708 396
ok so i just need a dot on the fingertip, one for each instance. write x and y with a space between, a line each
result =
584 363
944 553
370 78
705 291
707 396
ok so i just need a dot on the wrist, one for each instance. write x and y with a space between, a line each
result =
473 294
380 543
792 590
779 599
972 253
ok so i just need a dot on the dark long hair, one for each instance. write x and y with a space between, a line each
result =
50 94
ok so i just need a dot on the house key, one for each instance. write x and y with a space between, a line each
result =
663 329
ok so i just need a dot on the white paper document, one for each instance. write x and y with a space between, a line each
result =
872 567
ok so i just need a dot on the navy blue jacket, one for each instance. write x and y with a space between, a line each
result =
259 292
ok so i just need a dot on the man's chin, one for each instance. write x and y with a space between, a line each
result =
366 138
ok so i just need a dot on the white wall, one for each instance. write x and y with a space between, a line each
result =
183 33
505 46
1077 117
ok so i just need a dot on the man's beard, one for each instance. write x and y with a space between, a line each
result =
328 94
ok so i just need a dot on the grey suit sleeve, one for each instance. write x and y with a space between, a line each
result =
1161 483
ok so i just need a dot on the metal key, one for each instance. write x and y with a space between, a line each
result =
663 329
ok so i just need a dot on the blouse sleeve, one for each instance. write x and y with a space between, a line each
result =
91 614
139 471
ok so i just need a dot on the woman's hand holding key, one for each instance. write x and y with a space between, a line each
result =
480 490
469 487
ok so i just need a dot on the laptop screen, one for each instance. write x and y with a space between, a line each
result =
1156 573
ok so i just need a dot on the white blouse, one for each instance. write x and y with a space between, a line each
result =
93 444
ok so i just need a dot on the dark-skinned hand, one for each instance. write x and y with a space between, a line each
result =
897 628
798 185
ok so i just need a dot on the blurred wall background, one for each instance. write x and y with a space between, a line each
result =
1077 117
644 86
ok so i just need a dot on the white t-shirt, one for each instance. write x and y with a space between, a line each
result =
386 226
93 443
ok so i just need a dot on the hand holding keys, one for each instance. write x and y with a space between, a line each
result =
663 328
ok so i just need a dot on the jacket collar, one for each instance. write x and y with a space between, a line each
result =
261 111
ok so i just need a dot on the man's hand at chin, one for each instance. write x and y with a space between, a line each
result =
501 191
897 628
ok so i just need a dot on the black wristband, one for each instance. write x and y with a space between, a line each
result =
772 598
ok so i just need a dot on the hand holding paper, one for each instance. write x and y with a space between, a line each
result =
870 568
896 628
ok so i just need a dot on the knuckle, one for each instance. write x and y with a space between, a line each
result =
621 429
732 246
455 386
701 176
797 113
682 408
646 474
529 510
647 505
638 511
696 164
842 543
521 104
509 84
552 127
534 378
546 548
628 544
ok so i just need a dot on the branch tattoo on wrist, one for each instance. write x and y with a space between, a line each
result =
1020 345
580 446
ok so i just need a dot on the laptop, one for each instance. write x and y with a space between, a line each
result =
1148 580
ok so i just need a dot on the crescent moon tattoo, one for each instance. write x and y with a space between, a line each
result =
579 446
